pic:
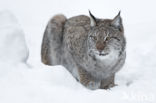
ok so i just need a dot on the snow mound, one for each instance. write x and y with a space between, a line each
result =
12 41
21 84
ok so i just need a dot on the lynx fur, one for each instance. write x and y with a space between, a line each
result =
91 49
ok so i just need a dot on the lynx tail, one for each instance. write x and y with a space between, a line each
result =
53 35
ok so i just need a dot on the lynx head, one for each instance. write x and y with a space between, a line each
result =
106 37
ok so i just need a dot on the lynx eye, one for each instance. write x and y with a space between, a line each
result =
93 37
116 38
108 38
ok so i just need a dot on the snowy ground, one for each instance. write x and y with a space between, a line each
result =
33 82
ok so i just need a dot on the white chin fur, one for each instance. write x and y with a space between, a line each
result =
109 57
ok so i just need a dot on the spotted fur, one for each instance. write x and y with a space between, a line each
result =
92 49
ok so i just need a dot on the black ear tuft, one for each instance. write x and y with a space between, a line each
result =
119 12
92 19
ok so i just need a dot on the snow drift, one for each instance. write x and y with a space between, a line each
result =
12 41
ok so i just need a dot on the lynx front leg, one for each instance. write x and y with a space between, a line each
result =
87 80
108 82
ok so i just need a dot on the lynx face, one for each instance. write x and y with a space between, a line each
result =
105 38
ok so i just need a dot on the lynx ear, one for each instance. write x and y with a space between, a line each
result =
117 21
92 19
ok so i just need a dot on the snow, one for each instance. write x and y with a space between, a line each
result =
25 79
12 42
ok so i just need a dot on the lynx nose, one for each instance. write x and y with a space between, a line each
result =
100 46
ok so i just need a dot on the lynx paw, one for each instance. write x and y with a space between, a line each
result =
107 86
93 85
108 83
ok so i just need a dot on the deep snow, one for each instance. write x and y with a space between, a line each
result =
34 82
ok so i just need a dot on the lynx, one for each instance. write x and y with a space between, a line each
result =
91 49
